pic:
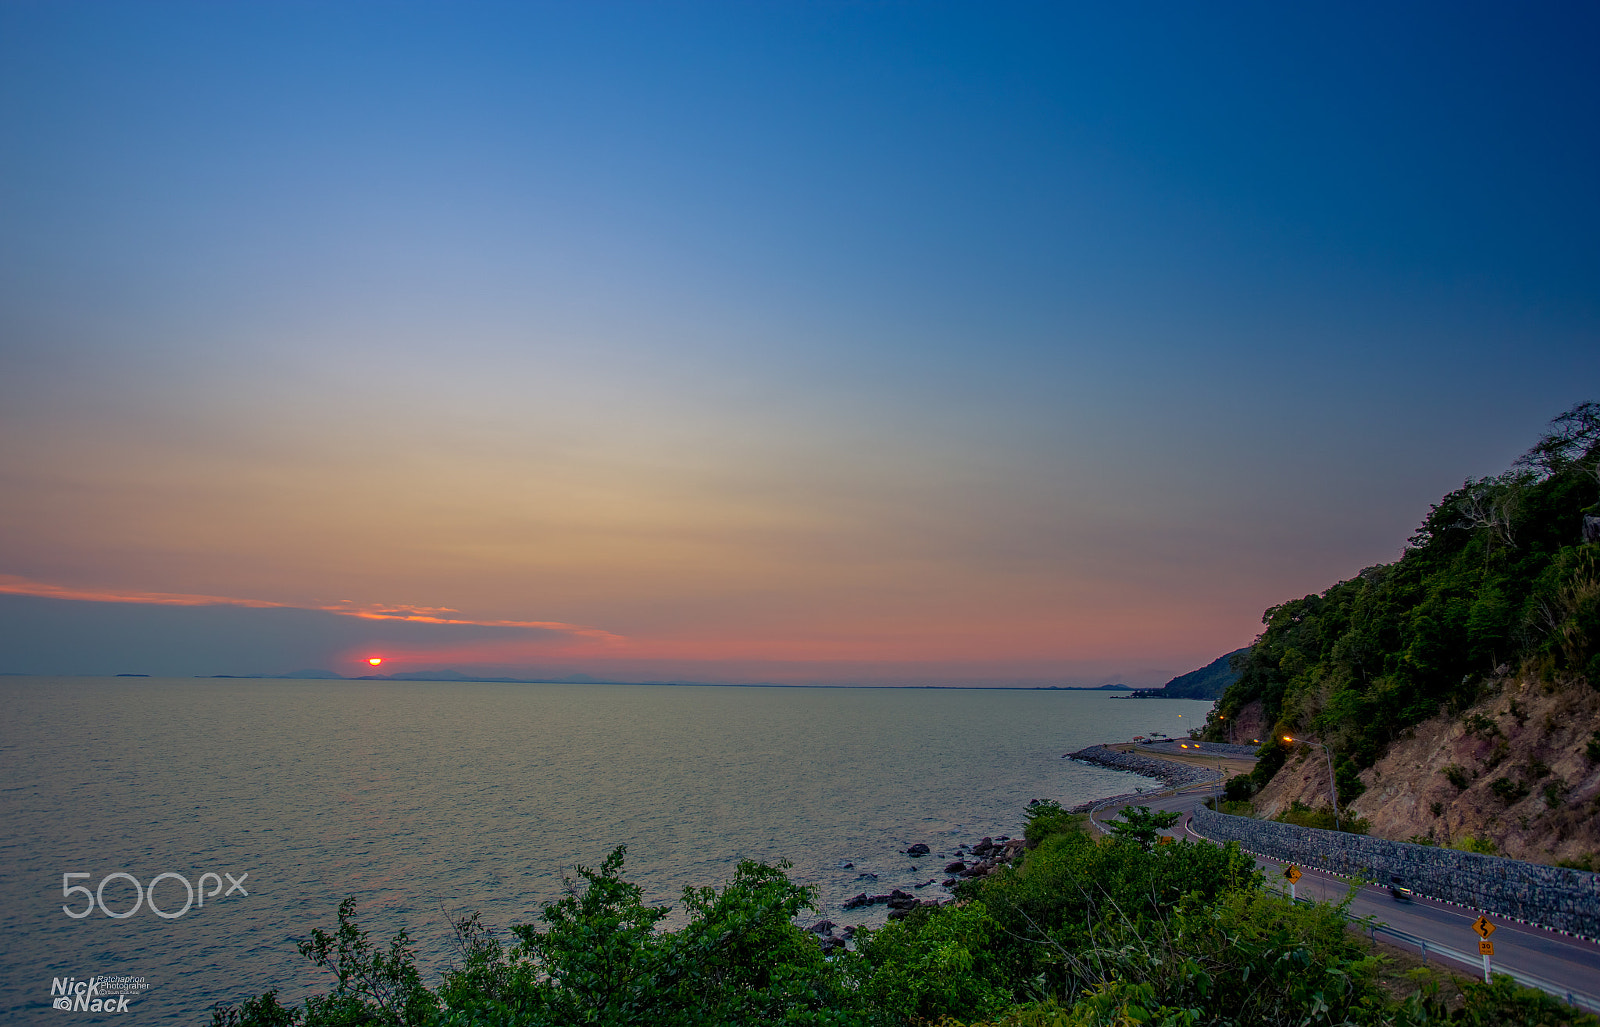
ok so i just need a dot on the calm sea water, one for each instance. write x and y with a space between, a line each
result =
425 800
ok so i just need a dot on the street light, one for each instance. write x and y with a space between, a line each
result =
1333 785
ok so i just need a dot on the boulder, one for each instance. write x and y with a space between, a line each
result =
823 927
857 902
902 900
955 868
918 849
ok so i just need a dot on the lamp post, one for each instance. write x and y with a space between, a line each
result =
1333 785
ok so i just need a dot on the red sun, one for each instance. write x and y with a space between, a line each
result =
375 660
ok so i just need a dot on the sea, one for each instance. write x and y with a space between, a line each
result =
177 835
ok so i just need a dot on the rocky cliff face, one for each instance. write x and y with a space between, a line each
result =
1517 770
1249 725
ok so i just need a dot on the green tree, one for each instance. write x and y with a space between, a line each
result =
1142 825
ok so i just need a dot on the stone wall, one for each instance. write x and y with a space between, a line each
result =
1554 897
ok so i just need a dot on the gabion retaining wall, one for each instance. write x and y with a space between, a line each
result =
1565 900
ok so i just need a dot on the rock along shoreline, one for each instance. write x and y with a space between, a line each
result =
990 854
1169 772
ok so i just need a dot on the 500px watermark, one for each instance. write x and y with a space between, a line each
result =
196 895
105 993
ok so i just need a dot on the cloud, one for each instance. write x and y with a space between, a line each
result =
11 584
57 629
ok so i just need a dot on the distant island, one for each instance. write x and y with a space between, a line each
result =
1088 688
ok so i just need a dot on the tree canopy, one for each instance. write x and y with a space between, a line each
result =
1496 578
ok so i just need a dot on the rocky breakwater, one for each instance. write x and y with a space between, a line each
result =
1169 772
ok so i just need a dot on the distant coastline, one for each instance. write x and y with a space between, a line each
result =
584 679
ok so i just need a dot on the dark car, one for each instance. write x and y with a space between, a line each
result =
1400 891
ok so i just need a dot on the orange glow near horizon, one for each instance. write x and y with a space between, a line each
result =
973 637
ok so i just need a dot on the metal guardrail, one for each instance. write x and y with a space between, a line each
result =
1571 996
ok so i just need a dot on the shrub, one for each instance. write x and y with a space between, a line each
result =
938 966
1472 843
1503 1001
1508 791
1323 818
1142 825
1238 788
1047 818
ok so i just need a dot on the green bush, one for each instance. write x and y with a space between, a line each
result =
1083 932
1046 818
1508 791
918 970
1472 843
1301 815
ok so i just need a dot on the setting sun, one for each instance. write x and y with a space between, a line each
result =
375 660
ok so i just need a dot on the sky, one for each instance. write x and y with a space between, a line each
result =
857 342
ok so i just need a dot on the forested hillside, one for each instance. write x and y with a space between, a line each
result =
1498 580
1209 682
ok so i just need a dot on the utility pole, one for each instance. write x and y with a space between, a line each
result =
1333 784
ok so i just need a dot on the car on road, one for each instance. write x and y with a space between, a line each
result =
1399 890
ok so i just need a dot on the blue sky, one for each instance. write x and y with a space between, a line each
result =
814 341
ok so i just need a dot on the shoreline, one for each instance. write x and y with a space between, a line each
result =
1173 772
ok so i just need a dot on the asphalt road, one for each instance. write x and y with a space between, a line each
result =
1571 963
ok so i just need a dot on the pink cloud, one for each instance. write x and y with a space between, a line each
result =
15 585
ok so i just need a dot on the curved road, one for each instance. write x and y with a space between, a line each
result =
1572 964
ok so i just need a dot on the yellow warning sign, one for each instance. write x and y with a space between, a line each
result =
1292 872
1486 948
1483 927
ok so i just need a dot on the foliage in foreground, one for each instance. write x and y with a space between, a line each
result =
1083 932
